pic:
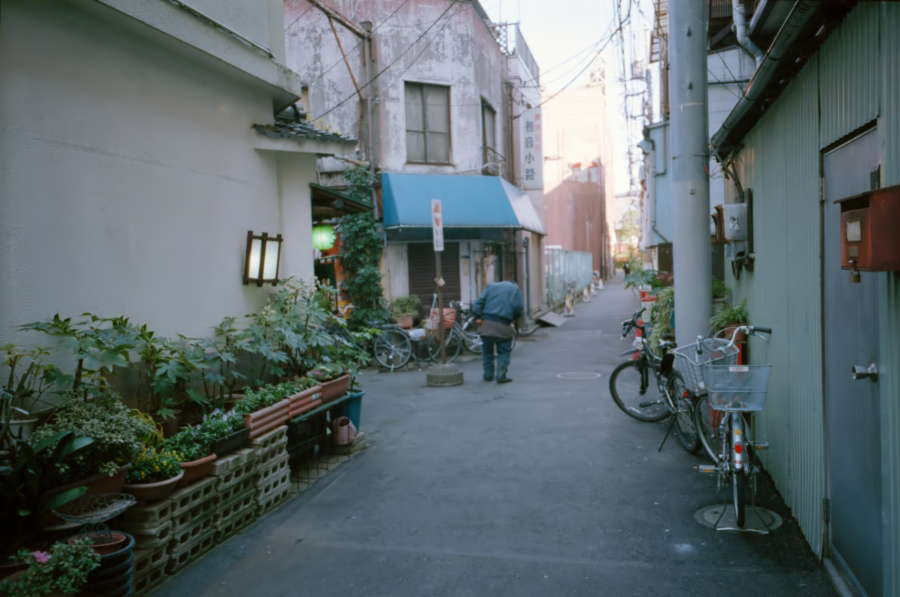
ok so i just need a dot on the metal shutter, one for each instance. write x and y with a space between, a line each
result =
422 273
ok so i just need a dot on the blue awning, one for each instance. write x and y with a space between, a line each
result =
468 202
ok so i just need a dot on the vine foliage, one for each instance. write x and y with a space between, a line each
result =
361 253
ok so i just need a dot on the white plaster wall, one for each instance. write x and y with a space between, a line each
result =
127 178
395 270
295 172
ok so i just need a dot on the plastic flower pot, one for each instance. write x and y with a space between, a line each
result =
195 469
335 388
305 398
152 492
231 443
103 543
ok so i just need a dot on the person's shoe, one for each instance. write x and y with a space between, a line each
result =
486 378
504 379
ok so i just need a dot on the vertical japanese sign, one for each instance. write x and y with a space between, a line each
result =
437 225
532 149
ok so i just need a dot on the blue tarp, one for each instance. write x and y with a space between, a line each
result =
467 202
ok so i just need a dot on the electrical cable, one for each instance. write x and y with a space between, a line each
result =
393 62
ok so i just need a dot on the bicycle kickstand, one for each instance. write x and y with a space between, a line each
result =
668 431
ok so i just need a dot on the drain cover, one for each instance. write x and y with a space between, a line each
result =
578 375
721 518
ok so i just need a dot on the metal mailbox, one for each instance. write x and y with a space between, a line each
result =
870 230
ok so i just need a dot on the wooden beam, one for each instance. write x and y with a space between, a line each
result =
333 14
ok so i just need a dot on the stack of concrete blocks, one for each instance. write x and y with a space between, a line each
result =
193 523
235 507
273 473
151 526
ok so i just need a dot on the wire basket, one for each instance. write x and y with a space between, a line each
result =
737 387
691 358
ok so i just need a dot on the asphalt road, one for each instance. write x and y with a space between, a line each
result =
539 487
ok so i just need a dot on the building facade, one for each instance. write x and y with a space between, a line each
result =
437 88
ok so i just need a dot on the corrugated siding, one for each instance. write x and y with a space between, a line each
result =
850 90
890 308
780 164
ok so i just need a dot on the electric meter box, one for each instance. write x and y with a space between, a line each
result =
870 230
731 222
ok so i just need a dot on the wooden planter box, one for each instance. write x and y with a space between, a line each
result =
268 418
335 388
305 401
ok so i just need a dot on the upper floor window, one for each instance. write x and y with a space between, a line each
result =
488 132
427 123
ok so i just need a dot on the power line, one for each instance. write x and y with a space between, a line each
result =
399 56
374 29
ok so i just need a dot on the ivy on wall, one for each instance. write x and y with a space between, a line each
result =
361 253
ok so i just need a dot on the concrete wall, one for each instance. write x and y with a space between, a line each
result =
128 177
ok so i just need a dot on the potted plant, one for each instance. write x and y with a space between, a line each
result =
63 570
404 309
28 380
334 379
661 316
194 450
266 408
25 484
118 432
720 294
726 319
226 430
153 474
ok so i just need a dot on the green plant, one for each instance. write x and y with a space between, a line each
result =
153 465
117 431
25 482
98 345
640 277
661 316
730 315
719 290
327 371
29 376
63 569
268 395
218 424
361 245
165 370
219 372
403 306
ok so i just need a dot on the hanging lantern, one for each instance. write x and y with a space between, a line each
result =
323 237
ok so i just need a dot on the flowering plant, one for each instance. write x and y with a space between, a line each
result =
63 569
219 424
327 371
152 466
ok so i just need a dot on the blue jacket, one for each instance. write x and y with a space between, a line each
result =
501 301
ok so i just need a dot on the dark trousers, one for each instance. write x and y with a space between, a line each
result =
504 347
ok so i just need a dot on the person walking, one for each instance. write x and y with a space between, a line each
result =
496 309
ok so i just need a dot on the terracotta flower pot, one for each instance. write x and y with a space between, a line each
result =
268 418
195 469
405 321
335 388
102 543
152 492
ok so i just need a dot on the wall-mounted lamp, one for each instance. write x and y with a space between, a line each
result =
263 258
323 237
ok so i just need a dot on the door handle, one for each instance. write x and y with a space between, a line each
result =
859 372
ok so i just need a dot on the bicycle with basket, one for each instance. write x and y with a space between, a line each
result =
728 395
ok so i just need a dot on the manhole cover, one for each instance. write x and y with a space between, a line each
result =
721 518
578 375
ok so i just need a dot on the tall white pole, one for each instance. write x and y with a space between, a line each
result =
690 154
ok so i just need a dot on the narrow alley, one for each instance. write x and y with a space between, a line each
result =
539 487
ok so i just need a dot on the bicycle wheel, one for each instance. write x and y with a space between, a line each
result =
708 423
471 339
392 349
634 389
452 342
683 401
738 481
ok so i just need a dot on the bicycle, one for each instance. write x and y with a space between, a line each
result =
652 400
730 394
393 347
468 329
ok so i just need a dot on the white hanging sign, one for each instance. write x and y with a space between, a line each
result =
437 225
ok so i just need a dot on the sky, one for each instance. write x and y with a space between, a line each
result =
556 34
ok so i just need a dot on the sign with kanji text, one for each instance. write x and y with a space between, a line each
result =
532 150
437 225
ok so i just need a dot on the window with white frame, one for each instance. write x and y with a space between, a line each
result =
427 123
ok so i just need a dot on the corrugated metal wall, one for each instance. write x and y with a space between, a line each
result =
850 89
890 306
856 79
780 163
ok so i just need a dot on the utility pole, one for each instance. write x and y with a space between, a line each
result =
690 155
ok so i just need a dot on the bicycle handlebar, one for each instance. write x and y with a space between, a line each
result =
628 324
